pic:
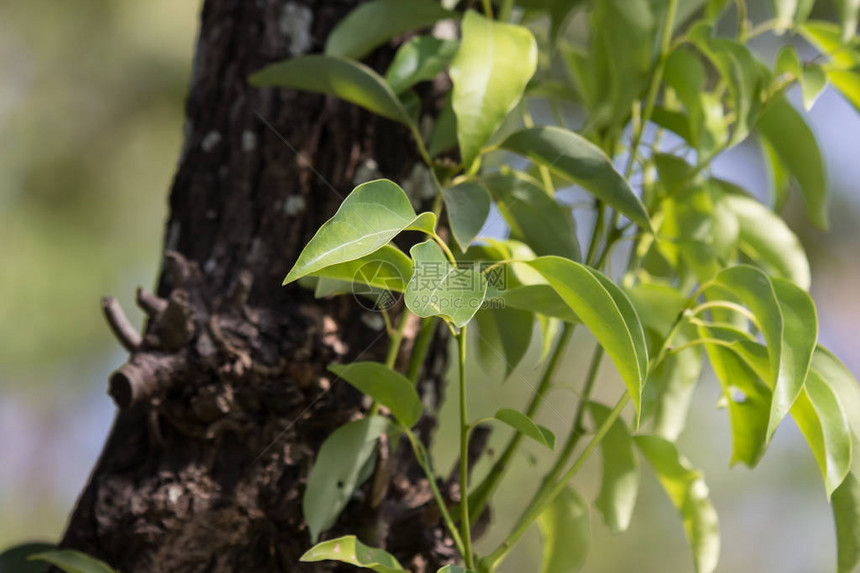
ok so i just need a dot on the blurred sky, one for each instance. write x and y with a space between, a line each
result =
91 97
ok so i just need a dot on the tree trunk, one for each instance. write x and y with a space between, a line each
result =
225 401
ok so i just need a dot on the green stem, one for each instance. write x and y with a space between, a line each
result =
598 232
480 495
424 461
576 432
550 489
488 8
505 10
654 87
465 522
496 557
419 350
393 350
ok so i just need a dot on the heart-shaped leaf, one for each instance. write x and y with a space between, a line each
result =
370 216
437 288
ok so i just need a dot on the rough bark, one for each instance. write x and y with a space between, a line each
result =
226 398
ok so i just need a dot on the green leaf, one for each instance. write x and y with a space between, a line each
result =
348 80
745 77
420 59
489 73
392 390
468 206
337 471
72 561
670 386
437 288
596 302
812 77
746 394
504 334
789 351
374 23
579 160
387 269
827 39
539 298
370 216
524 425
444 134
566 532
846 498
768 241
794 143
848 84
15 559
800 337
349 549
619 484
849 10
846 515
685 73
534 217
822 420
453 569
686 488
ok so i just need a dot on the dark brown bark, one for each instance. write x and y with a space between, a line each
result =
227 397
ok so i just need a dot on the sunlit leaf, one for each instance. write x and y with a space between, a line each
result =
389 388
596 302
453 569
346 79
374 23
619 484
468 205
349 549
337 471
686 487
370 216
420 59
576 158
566 533
794 143
539 298
534 217
490 72
526 426
439 289
72 561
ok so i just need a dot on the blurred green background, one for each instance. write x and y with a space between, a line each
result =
91 100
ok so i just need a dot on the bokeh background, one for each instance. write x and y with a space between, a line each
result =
91 97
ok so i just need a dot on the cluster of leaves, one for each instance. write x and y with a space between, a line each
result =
712 270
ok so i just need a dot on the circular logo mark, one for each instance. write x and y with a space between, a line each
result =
376 285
